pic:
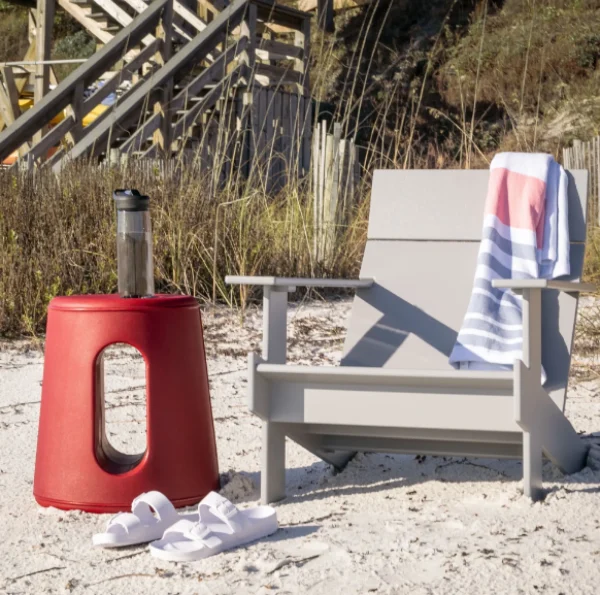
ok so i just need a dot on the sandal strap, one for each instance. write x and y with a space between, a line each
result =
127 520
144 505
221 508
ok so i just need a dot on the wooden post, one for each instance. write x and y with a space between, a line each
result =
304 101
325 15
598 172
302 40
43 42
76 110
248 28
164 31
322 184
316 187
9 96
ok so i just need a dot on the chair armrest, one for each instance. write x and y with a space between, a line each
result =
299 282
275 290
521 284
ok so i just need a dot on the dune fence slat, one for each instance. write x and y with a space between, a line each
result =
586 155
335 175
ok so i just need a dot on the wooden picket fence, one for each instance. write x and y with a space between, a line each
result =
586 155
335 176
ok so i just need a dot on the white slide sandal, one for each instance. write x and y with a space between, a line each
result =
221 527
151 514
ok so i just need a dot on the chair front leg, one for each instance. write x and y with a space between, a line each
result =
272 479
528 386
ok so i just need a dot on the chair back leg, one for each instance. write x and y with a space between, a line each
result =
532 465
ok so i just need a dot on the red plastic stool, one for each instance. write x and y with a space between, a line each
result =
75 466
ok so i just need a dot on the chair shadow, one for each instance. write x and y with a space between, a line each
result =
399 320
380 472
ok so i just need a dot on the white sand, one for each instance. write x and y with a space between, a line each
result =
387 524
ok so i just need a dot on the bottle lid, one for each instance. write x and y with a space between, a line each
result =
131 200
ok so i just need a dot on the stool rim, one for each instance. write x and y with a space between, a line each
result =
115 303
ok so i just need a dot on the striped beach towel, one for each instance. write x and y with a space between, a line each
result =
525 235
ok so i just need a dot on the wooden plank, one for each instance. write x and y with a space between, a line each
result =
150 153
80 15
29 55
189 16
196 85
12 90
10 94
208 101
140 6
278 14
264 28
301 64
42 112
52 138
125 74
31 25
23 80
322 189
6 108
248 32
316 188
338 5
278 138
288 137
306 131
262 126
335 176
138 138
251 100
276 75
295 152
269 49
325 15
598 175
44 20
446 204
76 111
270 137
119 15
55 158
164 31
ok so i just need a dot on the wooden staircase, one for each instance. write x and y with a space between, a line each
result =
176 69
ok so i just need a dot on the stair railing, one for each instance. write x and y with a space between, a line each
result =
161 106
70 92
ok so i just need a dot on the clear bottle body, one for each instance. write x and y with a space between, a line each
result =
134 254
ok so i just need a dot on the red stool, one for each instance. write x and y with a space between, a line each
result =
75 465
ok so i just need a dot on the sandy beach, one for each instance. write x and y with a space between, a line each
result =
386 524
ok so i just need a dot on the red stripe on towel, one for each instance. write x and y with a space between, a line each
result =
517 200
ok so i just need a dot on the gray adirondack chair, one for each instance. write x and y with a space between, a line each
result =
395 390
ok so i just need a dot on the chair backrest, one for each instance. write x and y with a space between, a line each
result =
424 233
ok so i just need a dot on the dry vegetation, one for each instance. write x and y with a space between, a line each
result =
444 83
57 237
